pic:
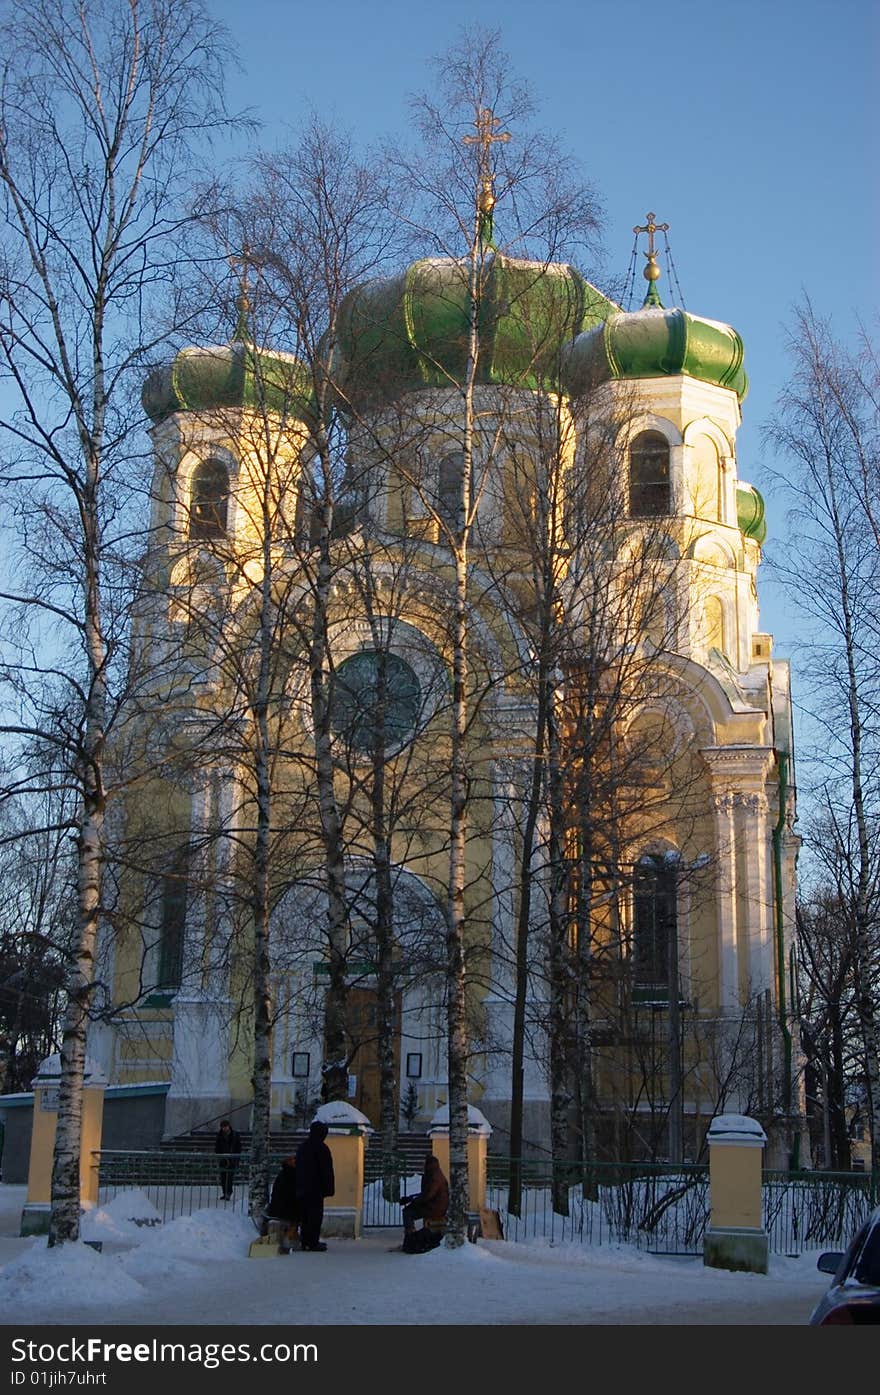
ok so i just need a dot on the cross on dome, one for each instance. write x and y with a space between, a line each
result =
651 272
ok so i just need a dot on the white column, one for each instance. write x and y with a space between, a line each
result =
726 893
678 480
219 931
199 1073
754 840
196 910
508 812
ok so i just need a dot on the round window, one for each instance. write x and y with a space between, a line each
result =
376 701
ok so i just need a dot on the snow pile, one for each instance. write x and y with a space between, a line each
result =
127 1217
208 1234
154 1267
43 1280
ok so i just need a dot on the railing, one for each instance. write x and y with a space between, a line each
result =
177 1184
382 1207
816 1210
660 1208
663 1209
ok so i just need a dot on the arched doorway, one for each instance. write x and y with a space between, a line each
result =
300 967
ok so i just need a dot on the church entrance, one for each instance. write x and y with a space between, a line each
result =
364 1068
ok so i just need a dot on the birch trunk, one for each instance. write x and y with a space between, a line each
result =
384 930
66 1181
261 1077
334 1082
559 959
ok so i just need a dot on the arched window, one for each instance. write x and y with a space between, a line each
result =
173 921
654 918
649 495
210 500
449 487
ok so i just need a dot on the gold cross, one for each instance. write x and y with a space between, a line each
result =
486 134
650 228
240 264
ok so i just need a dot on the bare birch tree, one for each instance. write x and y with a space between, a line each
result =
100 108
826 430
468 161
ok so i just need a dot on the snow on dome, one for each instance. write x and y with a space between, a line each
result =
339 1114
477 1122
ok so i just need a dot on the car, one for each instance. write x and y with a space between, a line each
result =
853 1296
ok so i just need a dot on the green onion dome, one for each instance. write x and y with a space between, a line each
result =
654 342
410 331
750 512
228 376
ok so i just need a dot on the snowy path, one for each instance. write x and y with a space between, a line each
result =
195 1270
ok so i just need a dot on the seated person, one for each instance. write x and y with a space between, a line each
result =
432 1202
283 1204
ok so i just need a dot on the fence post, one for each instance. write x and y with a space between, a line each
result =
479 1132
736 1238
347 1132
37 1207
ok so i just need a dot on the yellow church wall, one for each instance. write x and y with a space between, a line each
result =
157 818
700 422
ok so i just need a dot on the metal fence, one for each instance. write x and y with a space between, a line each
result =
662 1209
177 1184
816 1210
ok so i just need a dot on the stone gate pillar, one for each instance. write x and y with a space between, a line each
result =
479 1132
346 1138
47 1081
736 1238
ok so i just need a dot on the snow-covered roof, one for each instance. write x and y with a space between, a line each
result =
339 1114
477 1122
736 1128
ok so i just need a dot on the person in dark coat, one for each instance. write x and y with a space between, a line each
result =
227 1146
283 1205
432 1202
314 1182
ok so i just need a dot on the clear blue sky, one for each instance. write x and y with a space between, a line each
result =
747 126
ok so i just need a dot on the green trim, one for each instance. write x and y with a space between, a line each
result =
26 1100
118 1092
322 970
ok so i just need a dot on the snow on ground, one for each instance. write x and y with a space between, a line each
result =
195 1270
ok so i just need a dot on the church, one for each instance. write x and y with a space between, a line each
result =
630 856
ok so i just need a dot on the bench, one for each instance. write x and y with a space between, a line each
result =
279 1232
438 1228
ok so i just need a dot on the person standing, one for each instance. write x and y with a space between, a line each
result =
227 1146
314 1182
